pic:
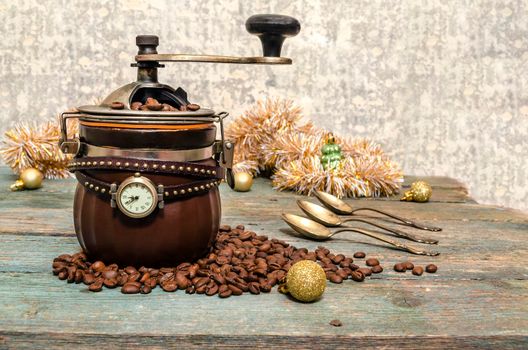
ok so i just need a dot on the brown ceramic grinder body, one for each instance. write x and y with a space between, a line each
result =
183 230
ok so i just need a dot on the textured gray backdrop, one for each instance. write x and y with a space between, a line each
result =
443 85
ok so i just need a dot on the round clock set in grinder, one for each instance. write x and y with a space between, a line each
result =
148 161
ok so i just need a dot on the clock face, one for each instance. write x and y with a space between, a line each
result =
137 198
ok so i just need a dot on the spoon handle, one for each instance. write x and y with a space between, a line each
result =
397 244
396 232
399 218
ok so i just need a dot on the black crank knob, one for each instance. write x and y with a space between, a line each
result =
272 30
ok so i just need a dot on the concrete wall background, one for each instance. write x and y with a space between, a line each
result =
442 85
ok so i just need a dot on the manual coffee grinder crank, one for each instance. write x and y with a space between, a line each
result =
148 163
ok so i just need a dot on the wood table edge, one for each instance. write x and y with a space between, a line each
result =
21 340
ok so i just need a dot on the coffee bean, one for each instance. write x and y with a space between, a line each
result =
408 265
63 275
110 282
97 286
130 288
365 271
418 270
357 276
336 323
117 105
170 286
151 282
153 105
372 262
212 290
193 107
98 266
145 277
134 277
342 273
79 276
109 274
201 282
353 267
399 267
88 278
130 270
136 106
218 278
431 268
145 289
224 292
64 258
265 288
182 281
359 255
254 288
122 279
71 274
376 269
157 107
201 290
335 278
346 262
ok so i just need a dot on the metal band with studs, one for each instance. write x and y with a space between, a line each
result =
170 192
149 166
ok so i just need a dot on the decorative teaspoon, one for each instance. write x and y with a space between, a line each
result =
340 207
315 230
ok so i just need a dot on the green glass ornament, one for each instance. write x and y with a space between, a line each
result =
331 154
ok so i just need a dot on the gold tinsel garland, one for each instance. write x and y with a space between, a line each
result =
272 137
32 145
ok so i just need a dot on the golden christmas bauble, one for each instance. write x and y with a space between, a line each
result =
305 281
32 178
420 192
243 182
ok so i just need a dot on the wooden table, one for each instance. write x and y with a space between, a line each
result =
478 297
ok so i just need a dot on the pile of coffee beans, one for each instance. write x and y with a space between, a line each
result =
151 104
240 261
416 270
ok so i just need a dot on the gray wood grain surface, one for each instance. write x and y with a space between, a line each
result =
478 297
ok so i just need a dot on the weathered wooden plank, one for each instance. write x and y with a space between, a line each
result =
402 308
255 207
29 340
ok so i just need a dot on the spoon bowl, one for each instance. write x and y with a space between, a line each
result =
307 227
319 213
333 203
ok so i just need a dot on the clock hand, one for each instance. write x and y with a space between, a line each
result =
132 199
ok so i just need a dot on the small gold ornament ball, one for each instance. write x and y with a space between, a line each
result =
243 182
421 191
305 281
32 178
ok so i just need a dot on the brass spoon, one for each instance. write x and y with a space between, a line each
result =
315 230
330 219
340 207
